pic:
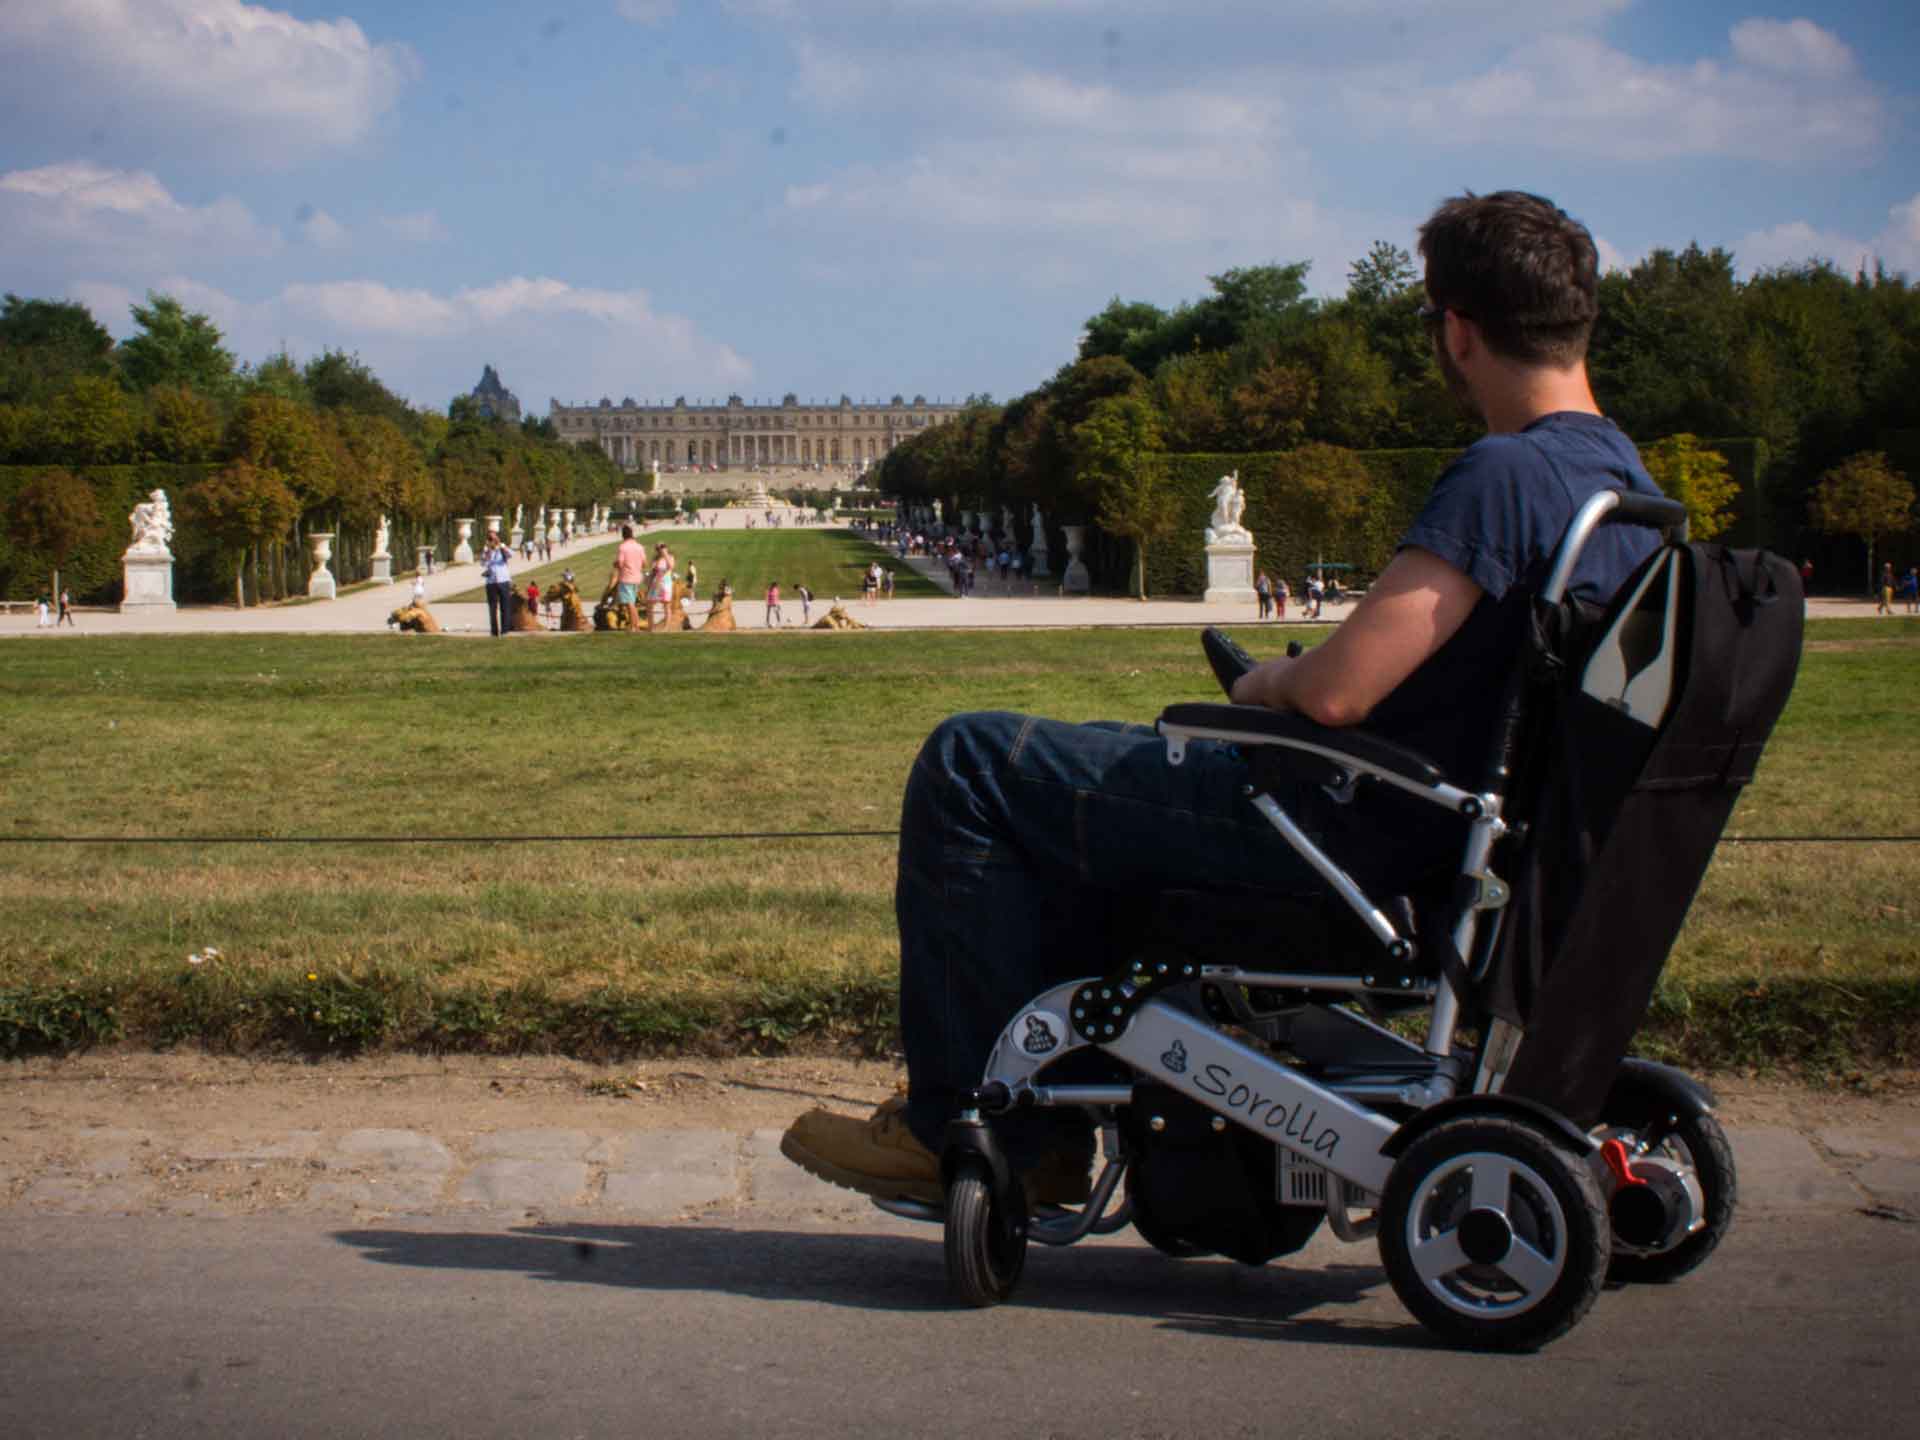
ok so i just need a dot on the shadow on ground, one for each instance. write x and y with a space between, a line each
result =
904 1273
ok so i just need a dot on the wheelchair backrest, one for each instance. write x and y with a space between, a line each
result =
1636 758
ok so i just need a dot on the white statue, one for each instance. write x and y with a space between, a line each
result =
152 522
380 537
936 512
1006 521
1229 504
517 511
1039 529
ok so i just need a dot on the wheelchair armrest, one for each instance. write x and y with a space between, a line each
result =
1259 725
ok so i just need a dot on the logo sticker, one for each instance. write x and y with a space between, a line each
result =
1040 1038
1176 1059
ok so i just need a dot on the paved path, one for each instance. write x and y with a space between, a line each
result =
610 1165
365 610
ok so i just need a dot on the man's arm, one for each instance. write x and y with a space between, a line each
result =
1408 614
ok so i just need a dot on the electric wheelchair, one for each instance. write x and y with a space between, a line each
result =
1503 1152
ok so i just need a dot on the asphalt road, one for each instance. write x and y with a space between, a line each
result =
1803 1324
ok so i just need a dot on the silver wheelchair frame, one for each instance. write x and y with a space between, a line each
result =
1497 1218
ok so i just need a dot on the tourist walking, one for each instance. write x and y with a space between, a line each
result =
43 610
628 575
693 581
1885 606
66 607
806 602
774 616
496 562
886 584
1280 596
660 593
1912 588
1263 592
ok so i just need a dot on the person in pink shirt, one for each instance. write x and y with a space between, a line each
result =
629 574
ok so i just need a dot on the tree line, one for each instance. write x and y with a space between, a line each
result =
1807 377
260 454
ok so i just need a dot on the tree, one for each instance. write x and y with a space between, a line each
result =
44 344
1273 406
276 375
1384 273
182 426
1190 391
284 436
339 381
242 506
1865 497
92 423
54 513
1118 459
1697 478
1333 488
175 348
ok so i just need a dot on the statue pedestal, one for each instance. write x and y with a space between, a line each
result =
1077 580
383 569
1230 573
517 538
1037 555
148 582
463 548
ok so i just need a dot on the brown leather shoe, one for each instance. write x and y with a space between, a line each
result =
877 1156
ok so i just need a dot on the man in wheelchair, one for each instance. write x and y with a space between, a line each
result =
1027 844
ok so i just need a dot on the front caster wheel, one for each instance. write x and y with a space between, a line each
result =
986 1249
1494 1235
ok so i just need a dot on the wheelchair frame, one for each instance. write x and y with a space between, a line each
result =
1497 1218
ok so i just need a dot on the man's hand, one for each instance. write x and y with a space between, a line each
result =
1413 609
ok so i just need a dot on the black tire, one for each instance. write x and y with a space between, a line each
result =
1698 1141
1150 1229
1530 1207
986 1251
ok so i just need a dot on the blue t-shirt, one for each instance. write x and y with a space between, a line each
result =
1496 516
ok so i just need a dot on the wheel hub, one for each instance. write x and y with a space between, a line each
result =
1486 1237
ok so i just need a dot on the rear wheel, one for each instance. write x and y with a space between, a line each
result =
1494 1234
986 1250
1696 1143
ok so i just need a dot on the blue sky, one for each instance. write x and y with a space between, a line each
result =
662 197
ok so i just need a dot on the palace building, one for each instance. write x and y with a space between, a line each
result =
736 435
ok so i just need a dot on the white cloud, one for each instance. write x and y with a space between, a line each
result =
320 230
242 79
564 340
1896 245
84 216
1791 93
1793 46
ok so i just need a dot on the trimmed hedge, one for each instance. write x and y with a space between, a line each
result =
1402 479
93 572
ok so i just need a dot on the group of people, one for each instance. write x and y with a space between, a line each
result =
1274 594
43 609
876 583
634 575
801 593
1906 587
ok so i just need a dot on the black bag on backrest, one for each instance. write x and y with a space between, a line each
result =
1658 720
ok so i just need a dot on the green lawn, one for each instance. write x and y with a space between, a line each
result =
828 562
471 934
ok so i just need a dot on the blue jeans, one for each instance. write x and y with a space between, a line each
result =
499 607
1023 843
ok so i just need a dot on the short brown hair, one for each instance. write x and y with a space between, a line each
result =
1521 268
